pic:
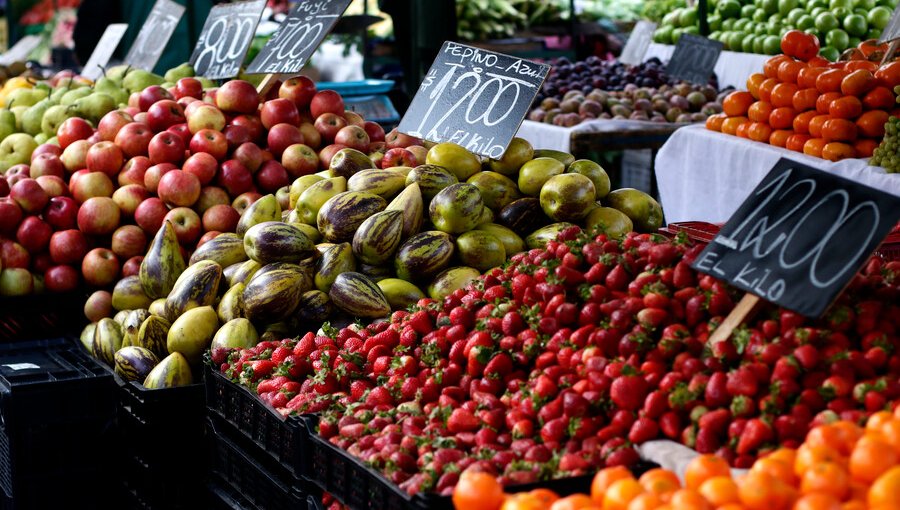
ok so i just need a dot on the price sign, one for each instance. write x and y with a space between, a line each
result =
892 31
298 37
800 237
20 51
154 35
638 43
225 39
475 98
694 58
104 50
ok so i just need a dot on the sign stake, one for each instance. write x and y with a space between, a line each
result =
267 83
743 311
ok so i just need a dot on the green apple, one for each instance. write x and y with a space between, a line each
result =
879 17
826 21
16 149
41 138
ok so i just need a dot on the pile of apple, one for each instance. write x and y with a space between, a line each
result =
83 211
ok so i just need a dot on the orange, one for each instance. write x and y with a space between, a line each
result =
720 490
780 137
801 121
836 151
646 501
765 89
817 502
737 103
872 123
689 499
826 478
806 78
878 420
839 130
729 127
783 94
573 502
817 123
879 98
523 502
854 505
796 142
814 146
605 478
848 107
760 111
477 491
620 494
809 454
659 481
759 132
805 99
777 468
743 131
830 81
858 82
788 71
753 83
732 506
782 118
824 102
761 491
891 433
545 496
770 68
704 467
865 147
886 489
871 457
714 122
788 455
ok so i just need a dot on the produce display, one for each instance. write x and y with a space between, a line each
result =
606 89
886 154
757 27
830 111
838 465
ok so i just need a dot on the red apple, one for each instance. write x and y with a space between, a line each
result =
354 137
185 101
4 186
61 213
236 136
61 279
237 96
166 147
281 136
129 197
141 117
299 89
179 188
326 101
68 246
396 139
149 215
73 129
10 215
187 224
354 119
53 185
377 147
210 196
398 157
98 216
250 155
192 106
164 114
188 87
245 200
40 263
91 184
134 139
205 116
300 159
374 130
202 165
327 153
252 124
418 152
210 142
208 236
328 125
13 254
105 157
99 304
131 110
133 101
111 123
47 148
183 131
272 176
151 95
235 177
30 196
74 157
133 171
129 241
100 267
279 111
221 218
311 135
132 266
34 234
154 174
47 164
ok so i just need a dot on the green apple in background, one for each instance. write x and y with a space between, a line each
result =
7 123
185 70
838 39
138 79
879 17
31 119
55 116
54 140
117 73
74 95
109 86
826 21
25 97
206 83
16 149
40 138
94 106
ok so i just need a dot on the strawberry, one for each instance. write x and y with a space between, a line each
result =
742 381
643 430
670 425
754 436
628 392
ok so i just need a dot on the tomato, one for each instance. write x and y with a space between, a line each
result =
796 142
714 122
729 127
799 44
888 75
856 65
830 81
782 118
806 78
737 103
870 46
760 111
839 130
788 71
759 132
824 102
872 123
780 137
743 131
801 121
765 89
805 99
816 124
770 68
783 94
753 83
836 151
858 83
880 98
813 147
865 147
848 107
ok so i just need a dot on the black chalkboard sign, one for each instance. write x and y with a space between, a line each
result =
694 58
225 39
475 98
892 31
298 37
800 237
151 41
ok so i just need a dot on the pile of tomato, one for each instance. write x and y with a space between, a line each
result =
839 466
806 104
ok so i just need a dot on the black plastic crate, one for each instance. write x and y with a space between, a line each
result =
37 317
261 487
57 414
268 434
360 487
222 497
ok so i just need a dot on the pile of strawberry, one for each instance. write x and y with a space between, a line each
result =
560 363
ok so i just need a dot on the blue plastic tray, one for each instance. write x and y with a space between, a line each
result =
357 88
377 108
